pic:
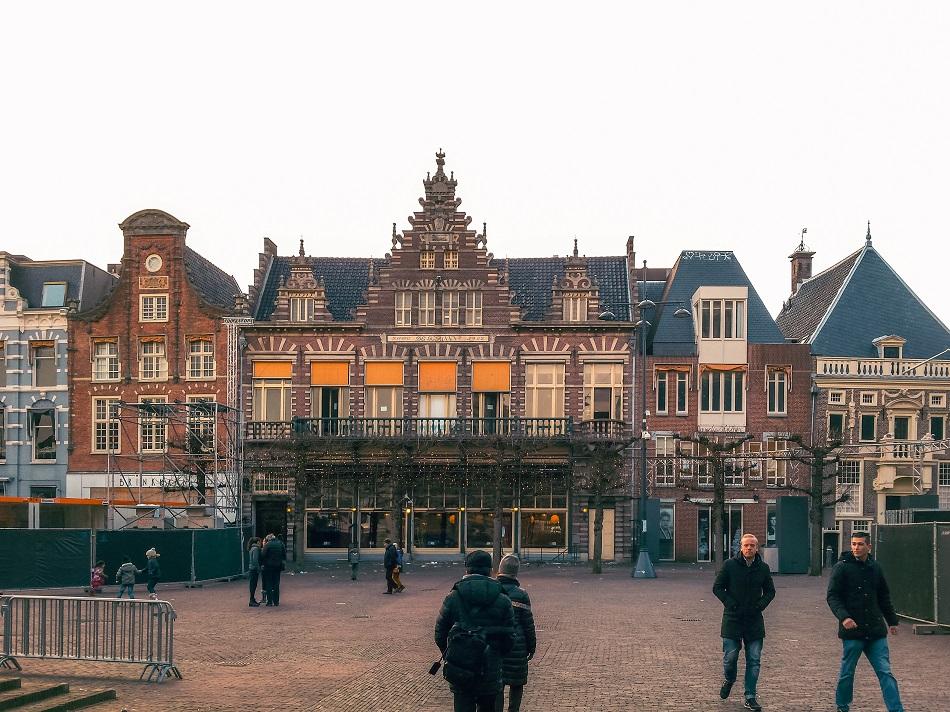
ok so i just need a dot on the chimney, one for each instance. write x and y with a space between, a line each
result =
801 263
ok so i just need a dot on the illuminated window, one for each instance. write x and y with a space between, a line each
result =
427 259
451 259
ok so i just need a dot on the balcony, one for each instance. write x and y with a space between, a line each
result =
440 428
877 368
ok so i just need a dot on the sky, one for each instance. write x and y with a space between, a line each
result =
690 125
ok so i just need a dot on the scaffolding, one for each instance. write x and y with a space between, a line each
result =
174 462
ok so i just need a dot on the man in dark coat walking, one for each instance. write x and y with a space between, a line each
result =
514 669
744 585
390 562
272 563
861 601
477 603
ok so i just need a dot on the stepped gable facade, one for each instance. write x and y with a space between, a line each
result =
156 340
882 369
437 356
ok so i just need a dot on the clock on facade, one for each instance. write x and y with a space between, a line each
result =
153 263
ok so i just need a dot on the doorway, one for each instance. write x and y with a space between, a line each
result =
607 535
271 518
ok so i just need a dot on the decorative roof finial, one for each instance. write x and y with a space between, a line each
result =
575 247
801 245
867 237
302 253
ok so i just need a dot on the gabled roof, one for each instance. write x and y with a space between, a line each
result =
672 336
530 280
346 280
802 313
214 285
870 301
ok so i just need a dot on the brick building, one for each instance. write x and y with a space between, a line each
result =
883 376
142 362
34 405
437 393
724 372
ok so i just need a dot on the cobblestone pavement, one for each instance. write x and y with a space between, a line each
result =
605 643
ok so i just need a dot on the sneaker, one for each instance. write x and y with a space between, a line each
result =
752 704
401 589
269 603
253 604
726 688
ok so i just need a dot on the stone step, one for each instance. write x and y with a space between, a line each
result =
78 700
10 683
23 696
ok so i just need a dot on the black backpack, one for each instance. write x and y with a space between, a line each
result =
466 655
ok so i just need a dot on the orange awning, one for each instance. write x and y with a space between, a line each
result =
330 373
273 369
105 339
151 339
383 373
491 376
680 368
437 376
723 367
200 337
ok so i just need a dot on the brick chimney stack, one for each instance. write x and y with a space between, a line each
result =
801 263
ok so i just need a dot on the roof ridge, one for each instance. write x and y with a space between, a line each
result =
829 269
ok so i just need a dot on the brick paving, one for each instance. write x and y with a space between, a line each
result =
605 643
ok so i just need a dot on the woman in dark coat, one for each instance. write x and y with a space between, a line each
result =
253 568
515 664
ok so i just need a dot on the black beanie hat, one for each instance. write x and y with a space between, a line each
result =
478 562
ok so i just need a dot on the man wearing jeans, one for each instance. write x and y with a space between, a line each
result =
859 598
744 585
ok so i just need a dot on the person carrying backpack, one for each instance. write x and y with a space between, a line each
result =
474 632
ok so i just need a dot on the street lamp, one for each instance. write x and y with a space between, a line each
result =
643 567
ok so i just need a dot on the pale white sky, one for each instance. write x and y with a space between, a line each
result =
690 125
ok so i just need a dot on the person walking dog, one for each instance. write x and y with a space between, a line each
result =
744 585
514 668
474 631
861 601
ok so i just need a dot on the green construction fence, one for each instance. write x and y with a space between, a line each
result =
916 561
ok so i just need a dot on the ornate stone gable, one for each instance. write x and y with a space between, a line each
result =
301 297
576 284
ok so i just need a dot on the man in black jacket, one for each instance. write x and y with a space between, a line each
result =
514 668
744 585
477 604
272 563
390 560
861 601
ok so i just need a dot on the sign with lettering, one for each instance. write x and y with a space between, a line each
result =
438 338
707 256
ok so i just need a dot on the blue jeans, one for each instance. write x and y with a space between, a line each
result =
130 587
879 656
753 658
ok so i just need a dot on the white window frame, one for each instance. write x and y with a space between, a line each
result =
152 429
943 483
62 302
35 359
153 307
603 375
200 422
261 387
722 319
105 425
403 308
473 309
201 364
706 383
665 460
574 307
938 400
451 311
850 478
426 309
153 361
107 362
389 396
682 379
663 392
836 398
861 418
776 470
534 386
868 398
302 309
777 392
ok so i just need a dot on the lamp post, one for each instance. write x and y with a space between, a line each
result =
643 567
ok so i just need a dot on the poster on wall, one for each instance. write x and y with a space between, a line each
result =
667 549
702 535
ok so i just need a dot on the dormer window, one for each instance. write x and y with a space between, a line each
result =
54 294
891 352
427 259
302 309
891 346
722 318
575 308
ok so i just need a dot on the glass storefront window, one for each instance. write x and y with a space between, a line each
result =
435 530
375 527
328 530
543 529
480 530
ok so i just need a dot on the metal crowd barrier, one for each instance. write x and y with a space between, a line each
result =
95 629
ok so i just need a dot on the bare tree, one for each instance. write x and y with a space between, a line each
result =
602 475
821 463
714 462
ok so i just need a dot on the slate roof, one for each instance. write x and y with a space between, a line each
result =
215 286
672 336
871 301
346 280
802 313
84 282
530 280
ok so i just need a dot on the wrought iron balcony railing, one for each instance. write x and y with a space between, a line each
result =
436 427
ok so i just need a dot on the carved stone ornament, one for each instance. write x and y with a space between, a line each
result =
153 222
